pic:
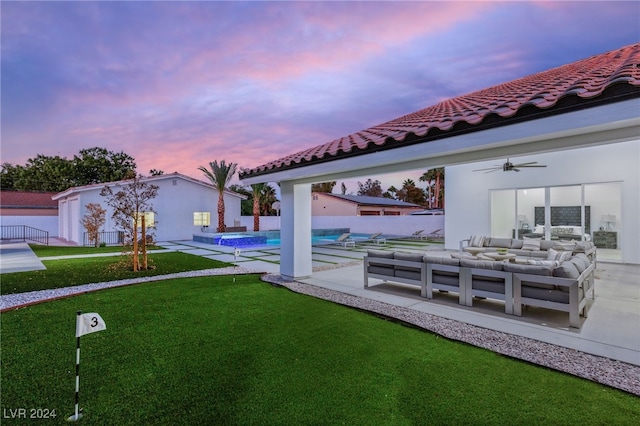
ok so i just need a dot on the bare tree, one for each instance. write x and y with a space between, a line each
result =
131 201
93 219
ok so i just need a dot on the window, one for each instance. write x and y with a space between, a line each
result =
201 218
590 211
149 219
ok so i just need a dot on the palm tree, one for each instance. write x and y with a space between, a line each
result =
323 186
268 197
219 175
257 189
429 176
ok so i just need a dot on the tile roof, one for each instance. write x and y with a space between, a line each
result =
600 79
372 201
26 200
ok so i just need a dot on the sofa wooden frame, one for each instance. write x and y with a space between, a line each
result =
506 297
577 300
578 288
419 266
425 282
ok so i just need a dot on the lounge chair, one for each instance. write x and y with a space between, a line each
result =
437 234
344 240
418 235
375 238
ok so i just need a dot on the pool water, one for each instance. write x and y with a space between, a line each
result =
320 239
270 238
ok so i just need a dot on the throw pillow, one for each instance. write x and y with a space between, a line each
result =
566 270
558 255
531 244
476 241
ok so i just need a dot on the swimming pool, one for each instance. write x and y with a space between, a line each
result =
268 238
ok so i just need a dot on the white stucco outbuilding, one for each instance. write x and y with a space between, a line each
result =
581 120
179 199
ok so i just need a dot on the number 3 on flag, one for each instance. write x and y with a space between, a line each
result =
89 323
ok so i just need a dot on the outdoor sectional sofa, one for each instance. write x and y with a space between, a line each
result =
527 247
549 284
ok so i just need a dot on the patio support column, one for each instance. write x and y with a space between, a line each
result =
295 231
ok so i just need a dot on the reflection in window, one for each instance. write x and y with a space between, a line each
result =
149 219
201 218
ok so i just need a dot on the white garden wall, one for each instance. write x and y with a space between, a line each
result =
390 225
46 223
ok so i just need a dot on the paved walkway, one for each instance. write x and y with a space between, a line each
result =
18 257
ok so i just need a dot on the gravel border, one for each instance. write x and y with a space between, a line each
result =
606 371
19 300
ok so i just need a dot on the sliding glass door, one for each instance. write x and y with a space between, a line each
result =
587 212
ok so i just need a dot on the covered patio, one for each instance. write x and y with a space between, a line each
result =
589 104
586 104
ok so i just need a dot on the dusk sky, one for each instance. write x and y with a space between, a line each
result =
179 84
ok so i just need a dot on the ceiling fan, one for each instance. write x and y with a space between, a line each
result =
510 167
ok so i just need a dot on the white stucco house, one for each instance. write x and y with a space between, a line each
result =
328 204
181 206
581 120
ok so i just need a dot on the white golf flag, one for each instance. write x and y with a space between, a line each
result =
89 323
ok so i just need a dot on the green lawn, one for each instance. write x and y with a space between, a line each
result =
47 251
72 272
211 351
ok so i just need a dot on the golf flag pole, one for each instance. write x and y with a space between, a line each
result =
236 253
85 324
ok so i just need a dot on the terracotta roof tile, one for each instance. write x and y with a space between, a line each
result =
600 78
26 199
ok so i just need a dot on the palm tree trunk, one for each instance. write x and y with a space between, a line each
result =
438 190
256 213
221 226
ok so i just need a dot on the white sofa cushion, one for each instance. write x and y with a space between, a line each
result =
531 244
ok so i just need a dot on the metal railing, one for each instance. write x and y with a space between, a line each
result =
25 233
109 238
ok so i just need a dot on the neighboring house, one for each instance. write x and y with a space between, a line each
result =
34 209
326 204
582 120
183 205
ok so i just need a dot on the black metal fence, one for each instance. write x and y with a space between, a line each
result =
25 233
109 238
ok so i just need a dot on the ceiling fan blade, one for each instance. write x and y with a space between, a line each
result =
515 170
540 165
525 164
489 168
